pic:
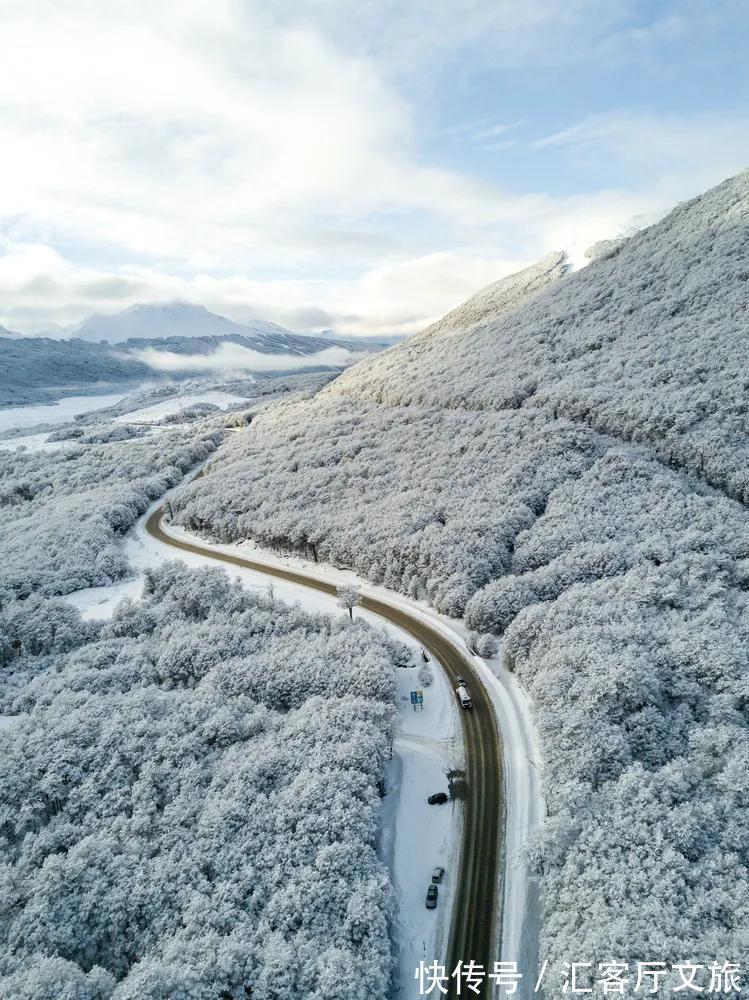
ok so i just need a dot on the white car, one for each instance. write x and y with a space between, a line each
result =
438 874
464 696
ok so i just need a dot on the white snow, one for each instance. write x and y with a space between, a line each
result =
55 413
521 754
100 602
169 319
32 442
414 836
175 404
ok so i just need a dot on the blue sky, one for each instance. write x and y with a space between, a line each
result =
357 165
661 60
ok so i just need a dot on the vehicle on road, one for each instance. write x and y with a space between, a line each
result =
461 681
476 892
437 799
464 696
432 893
438 874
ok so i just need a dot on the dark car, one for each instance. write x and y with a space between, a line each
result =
437 799
432 893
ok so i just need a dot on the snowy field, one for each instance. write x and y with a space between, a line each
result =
174 404
67 409
56 413
32 442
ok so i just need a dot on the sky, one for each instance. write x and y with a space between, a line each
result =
356 165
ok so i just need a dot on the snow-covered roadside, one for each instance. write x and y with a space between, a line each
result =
525 812
414 836
521 754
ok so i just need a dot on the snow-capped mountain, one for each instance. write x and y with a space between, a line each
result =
172 319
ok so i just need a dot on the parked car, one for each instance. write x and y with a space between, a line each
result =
464 696
437 873
432 893
437 799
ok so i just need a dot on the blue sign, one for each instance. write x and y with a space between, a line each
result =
417 698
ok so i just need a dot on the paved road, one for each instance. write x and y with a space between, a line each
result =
473 930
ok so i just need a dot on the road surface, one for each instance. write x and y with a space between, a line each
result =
473 930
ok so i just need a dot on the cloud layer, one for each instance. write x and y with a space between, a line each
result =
275 161
232 358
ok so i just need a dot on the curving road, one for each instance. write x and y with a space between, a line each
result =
473 930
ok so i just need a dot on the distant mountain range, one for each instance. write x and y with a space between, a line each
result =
183 319
176 319
145 340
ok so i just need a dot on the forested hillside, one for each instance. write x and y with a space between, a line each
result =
649 344
31 368
565 458
64 512
189 798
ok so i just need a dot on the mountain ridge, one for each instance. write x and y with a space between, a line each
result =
571 471
168 319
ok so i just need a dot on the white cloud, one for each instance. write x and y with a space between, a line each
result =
230 358
201 135
38 288
263 161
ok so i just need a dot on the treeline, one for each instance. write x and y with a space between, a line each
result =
189 798
427 502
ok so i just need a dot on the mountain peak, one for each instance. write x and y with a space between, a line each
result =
159 321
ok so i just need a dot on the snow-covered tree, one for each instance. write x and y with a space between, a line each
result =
189 799
349 597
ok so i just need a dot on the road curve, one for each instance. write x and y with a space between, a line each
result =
473 929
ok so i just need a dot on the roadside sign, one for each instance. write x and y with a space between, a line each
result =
417 698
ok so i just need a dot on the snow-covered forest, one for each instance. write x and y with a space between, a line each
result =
64 512
189 798
627 620
67 503
428 502
34 369
565 458
647 344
